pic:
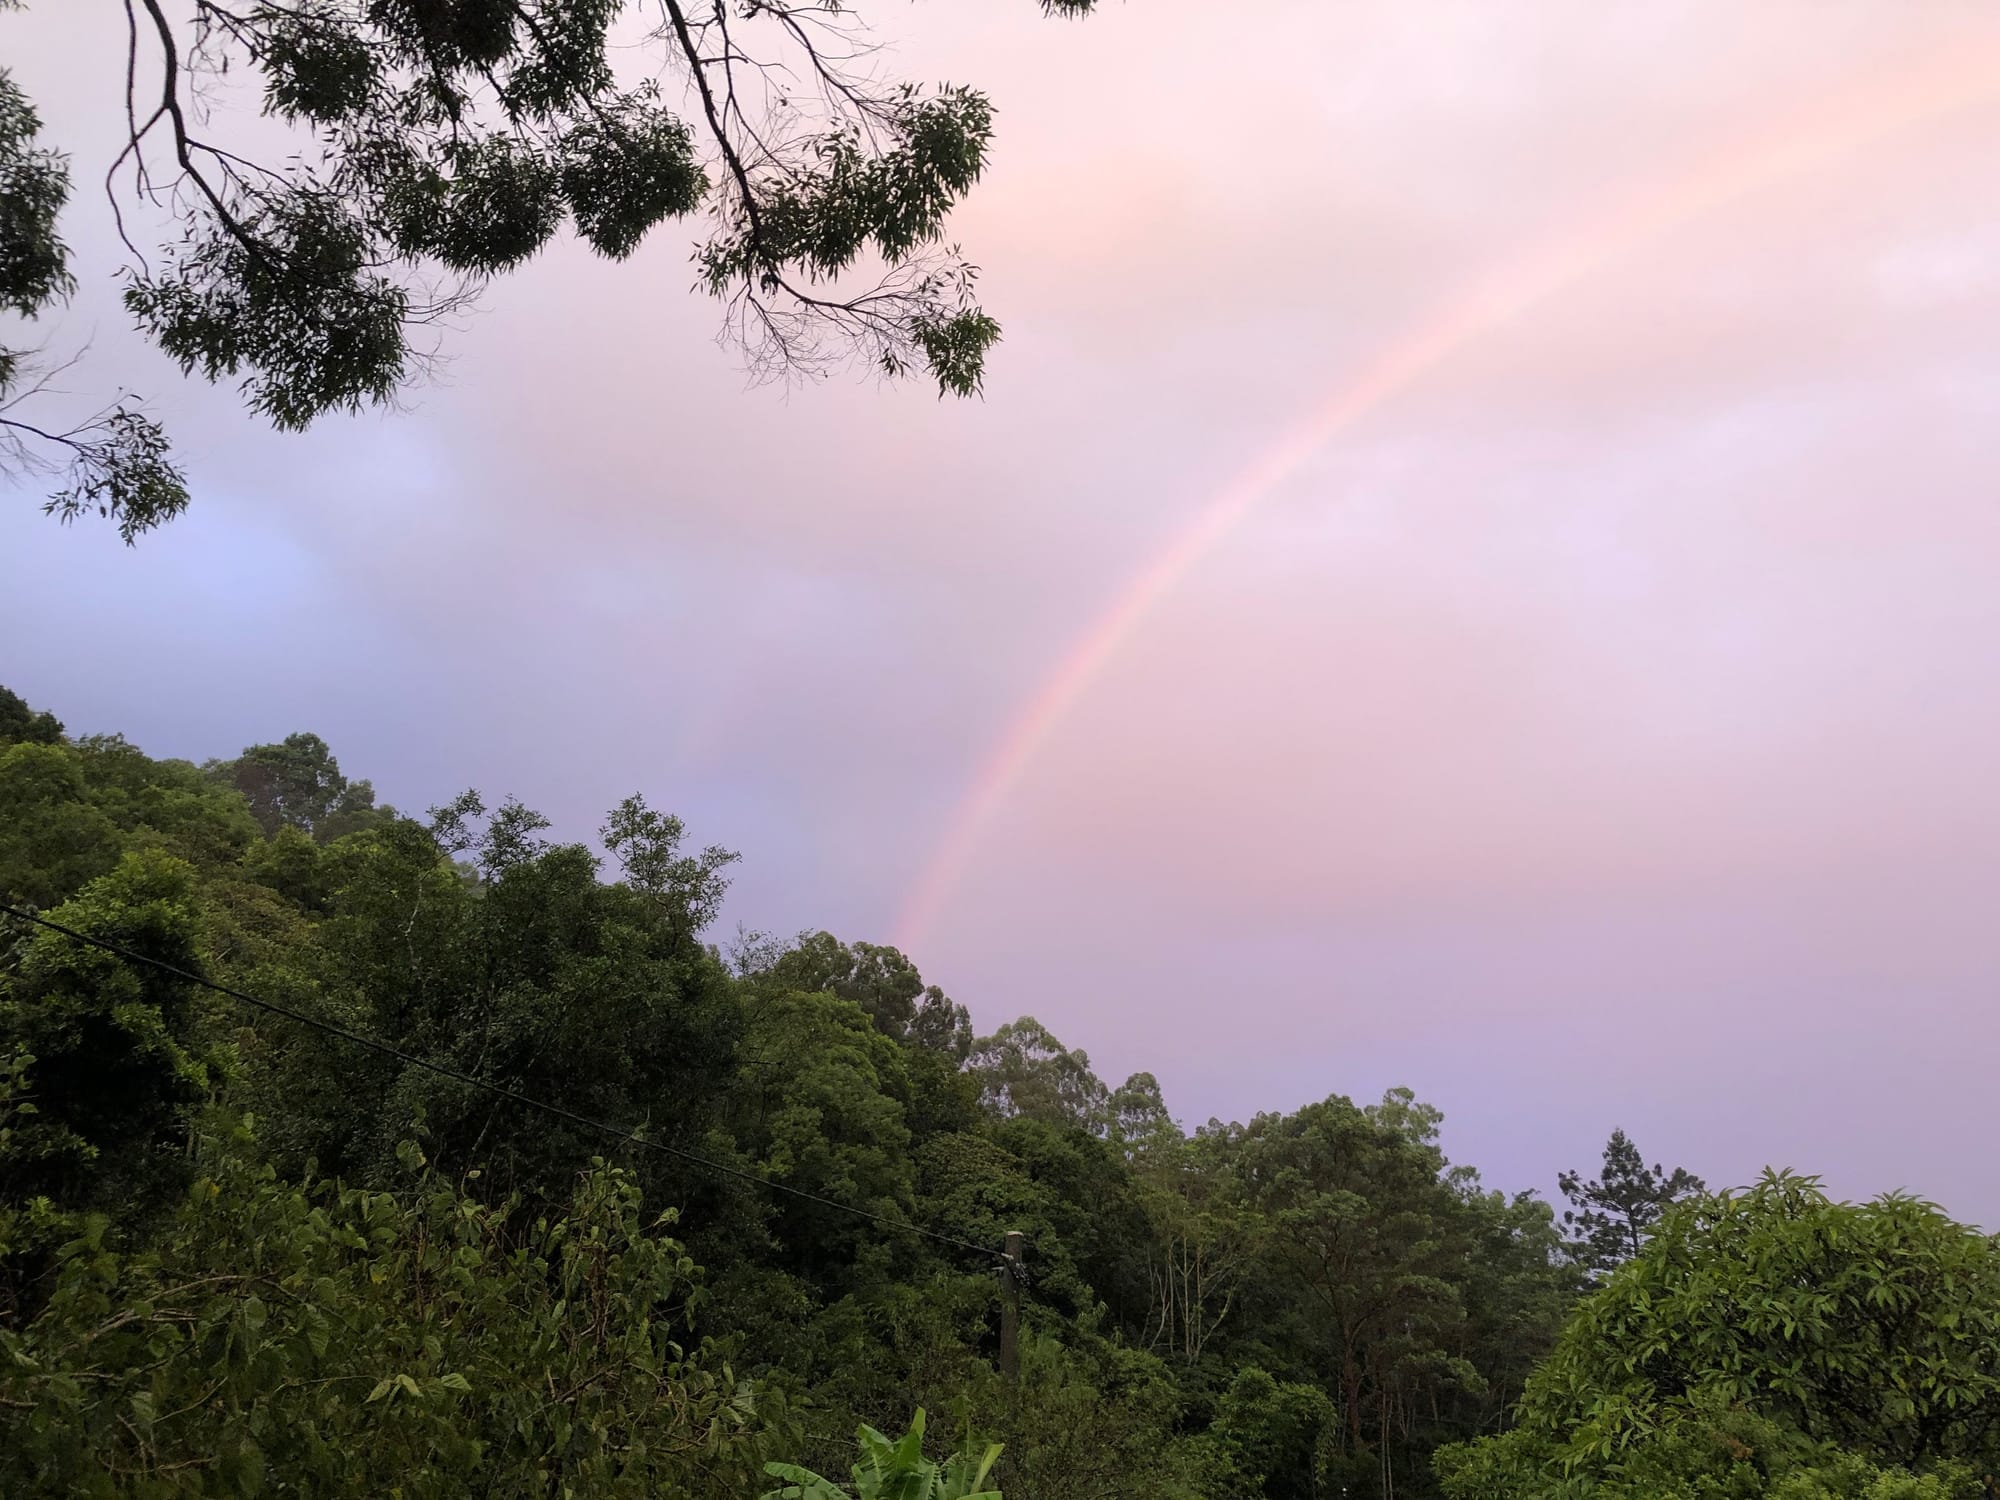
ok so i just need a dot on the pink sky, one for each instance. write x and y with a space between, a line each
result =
1598 731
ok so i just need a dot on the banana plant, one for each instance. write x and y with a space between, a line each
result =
895 1469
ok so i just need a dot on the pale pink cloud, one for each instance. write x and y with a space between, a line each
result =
1600 731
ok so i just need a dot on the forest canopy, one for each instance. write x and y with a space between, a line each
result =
279 1211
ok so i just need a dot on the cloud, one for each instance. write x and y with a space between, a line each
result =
1597 732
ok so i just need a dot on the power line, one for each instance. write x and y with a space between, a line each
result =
359 1039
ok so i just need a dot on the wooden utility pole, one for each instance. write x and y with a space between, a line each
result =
1010 1306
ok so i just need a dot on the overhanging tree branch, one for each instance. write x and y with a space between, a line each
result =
447 144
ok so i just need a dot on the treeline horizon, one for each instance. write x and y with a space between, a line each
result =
239 1251
354 803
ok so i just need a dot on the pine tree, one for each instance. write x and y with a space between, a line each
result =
1614 1216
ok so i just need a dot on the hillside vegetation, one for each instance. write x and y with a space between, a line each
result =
315 1237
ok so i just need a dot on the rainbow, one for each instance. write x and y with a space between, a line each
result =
1846 119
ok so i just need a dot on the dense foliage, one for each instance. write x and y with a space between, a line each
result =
322 1339
413 149
243 1253
240 1251
895 1470
1768 1342
349 1153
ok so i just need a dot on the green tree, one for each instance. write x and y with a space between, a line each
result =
1360 1220
116 1071
321 1339
1163 1271
52 837
537 975
67 809
17 720
297 784
688 888
438 144
1204 1241
1764 1342
1091 1420
818 1107
1137 1117
1024 1071
1612 1216
1273 1433
883 983
1067 1193
1517 1285
170 803
114 462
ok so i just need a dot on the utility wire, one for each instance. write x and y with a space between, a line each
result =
272 1007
